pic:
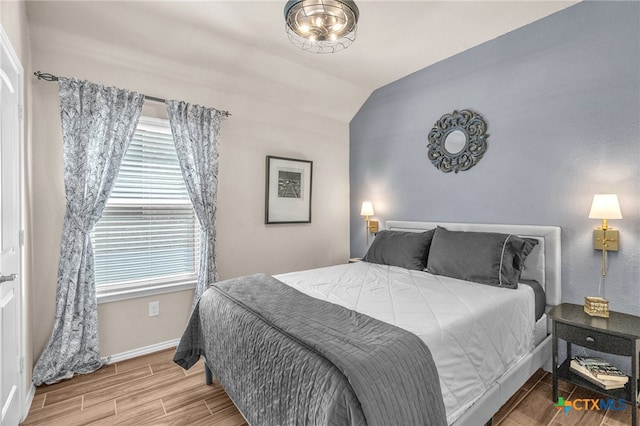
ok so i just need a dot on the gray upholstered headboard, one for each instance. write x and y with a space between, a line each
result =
543 264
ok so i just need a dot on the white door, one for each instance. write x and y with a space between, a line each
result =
10 247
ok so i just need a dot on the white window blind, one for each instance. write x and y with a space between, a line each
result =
148 235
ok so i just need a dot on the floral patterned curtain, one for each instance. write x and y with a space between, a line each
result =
196 133
97 125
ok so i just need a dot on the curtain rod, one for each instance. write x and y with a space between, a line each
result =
50 77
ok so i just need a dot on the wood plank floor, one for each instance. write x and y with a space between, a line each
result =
152 390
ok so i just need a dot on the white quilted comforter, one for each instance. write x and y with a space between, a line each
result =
475 332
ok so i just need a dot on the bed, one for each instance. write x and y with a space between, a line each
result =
482 341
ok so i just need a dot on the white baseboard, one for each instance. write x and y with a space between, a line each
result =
141 351
28 401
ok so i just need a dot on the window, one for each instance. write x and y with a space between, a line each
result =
147 240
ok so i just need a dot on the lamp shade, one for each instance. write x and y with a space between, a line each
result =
367 208
321 26
605 206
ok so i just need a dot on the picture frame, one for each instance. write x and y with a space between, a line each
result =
288 190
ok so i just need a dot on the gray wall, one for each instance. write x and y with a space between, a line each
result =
562 100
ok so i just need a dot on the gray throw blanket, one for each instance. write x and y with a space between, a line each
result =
286 358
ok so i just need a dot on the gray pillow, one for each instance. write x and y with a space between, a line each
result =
538 293
398 248
482 257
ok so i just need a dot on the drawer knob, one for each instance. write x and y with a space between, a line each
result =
590 339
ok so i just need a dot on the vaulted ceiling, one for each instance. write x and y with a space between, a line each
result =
241 46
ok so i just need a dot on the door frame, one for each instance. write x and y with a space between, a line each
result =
25 391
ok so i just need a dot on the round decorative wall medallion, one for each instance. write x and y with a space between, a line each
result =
457 141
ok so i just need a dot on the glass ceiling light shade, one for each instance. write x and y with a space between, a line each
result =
321 26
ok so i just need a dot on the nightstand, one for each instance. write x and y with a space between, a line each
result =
355 259
619 334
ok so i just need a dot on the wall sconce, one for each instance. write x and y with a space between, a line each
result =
372 225
604 206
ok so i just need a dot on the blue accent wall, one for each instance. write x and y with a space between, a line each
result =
561 97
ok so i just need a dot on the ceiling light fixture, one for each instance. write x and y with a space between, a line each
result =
321 26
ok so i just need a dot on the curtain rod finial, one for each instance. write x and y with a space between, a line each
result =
45 76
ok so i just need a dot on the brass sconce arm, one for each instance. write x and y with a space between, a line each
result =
605 239
371 227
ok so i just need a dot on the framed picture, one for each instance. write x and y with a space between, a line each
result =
288 190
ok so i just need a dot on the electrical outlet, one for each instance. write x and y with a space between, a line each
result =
154 309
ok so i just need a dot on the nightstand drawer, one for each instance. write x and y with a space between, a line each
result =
594 339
